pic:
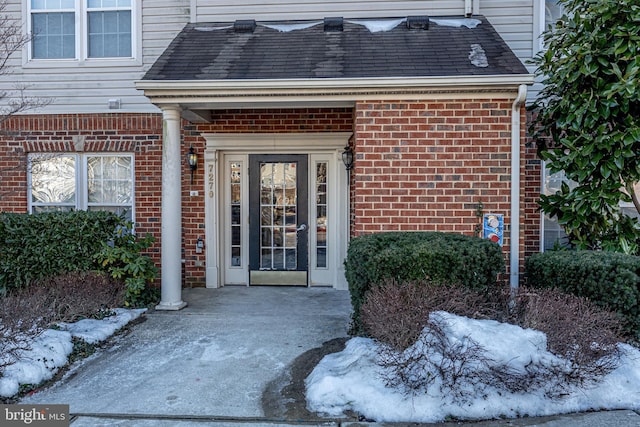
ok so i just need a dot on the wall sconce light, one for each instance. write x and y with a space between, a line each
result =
347 157
192 160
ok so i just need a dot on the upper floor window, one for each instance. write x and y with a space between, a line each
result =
547 13
80 29
65 182
552 12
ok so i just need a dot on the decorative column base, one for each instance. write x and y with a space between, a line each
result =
171 306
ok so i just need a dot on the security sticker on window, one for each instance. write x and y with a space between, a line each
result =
493 227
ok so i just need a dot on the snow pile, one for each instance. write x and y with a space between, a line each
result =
93 331
50 350
352 380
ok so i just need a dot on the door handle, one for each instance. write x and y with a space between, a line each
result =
302 227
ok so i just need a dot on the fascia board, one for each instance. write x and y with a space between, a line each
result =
342 89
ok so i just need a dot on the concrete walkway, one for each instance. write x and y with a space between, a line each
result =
235 356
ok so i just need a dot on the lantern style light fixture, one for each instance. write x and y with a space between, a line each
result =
192 161
347 157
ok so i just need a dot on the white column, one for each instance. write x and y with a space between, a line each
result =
171 243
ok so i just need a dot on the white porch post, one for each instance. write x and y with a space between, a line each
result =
171 243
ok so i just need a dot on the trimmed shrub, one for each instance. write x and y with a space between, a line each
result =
610 280
33 247
437 258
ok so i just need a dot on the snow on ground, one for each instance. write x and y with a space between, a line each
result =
351 380
50 350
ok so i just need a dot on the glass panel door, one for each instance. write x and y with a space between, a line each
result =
278 248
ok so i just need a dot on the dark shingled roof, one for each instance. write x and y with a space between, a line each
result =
217 51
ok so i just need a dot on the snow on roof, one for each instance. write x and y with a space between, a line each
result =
378 25
285 28
453 22
478 56
213 28
373 25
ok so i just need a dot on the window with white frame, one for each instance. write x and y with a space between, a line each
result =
82 29
552 12
553 234
547 13
65 182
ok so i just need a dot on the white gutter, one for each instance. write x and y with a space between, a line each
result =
514 264
333 84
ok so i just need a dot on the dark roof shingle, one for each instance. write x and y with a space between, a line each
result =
214 51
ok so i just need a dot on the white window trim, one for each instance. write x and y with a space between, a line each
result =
82 41
538 25
81 179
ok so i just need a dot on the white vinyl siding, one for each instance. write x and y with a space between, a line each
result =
278 10
514 22
85 85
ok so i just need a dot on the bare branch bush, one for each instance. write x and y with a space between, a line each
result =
78 295
581 332
395 313
23 316
417 354
26 312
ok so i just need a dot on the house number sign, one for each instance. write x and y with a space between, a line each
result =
210 180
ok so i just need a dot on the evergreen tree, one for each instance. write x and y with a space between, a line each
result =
587 121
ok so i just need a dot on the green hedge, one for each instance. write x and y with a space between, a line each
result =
44 245
440 258
609 279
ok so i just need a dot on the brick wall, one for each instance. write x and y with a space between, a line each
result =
427 165
419 165
140 134
244 121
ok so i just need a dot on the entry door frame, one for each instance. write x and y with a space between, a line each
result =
328 146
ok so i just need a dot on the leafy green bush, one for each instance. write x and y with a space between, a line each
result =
610 280
122 258
33 247
437 258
